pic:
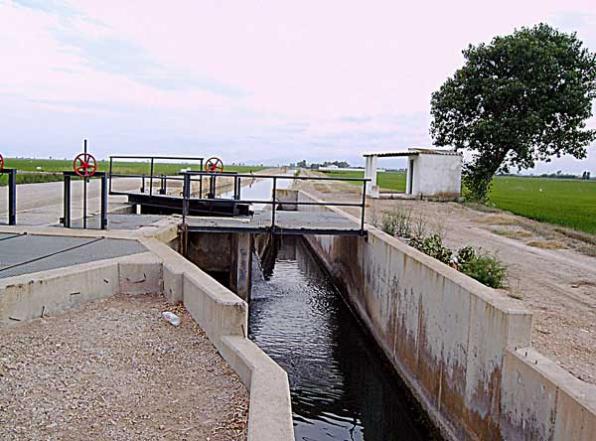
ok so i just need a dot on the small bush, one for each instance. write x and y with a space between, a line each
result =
465 255
484 268
397 223
433 246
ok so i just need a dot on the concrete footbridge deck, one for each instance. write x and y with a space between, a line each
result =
285 223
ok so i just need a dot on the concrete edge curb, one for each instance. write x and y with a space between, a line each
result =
224 317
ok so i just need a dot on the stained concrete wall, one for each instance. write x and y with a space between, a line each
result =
454 342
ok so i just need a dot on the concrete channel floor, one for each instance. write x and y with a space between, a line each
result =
114 369
29 253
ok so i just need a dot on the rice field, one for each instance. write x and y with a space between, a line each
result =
567 202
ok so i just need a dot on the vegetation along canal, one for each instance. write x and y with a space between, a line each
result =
342 387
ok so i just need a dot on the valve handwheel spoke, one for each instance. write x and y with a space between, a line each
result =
214 165
84 165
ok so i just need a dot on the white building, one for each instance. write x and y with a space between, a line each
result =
431 172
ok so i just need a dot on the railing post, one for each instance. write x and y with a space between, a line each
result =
103 218
274 204
66 219
110 189
12 197
212 186
363 207
143 183
185 196
151 179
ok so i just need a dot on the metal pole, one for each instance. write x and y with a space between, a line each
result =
363 207
12 197
185 209
274 204
185 197
151 179
66 219
85 188
143 184
104 202
110 175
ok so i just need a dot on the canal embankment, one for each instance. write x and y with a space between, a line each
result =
463 349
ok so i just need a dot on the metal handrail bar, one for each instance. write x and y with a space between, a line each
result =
173 158
152 165
255 176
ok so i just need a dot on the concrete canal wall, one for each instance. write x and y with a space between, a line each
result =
462 348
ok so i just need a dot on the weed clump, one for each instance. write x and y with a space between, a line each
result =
483 267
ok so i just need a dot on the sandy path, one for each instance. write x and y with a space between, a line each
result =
557 285
114 369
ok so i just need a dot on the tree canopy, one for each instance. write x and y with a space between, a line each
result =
522 98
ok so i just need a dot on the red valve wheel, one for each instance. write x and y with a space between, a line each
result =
214 165
84 165
1 164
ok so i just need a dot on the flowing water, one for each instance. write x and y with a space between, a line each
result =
341 386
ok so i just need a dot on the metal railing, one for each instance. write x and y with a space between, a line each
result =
162 178
12 194
190 177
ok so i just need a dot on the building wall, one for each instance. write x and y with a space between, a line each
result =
436 175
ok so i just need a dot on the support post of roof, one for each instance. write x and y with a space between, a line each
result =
370 172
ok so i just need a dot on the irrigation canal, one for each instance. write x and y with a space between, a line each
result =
341 386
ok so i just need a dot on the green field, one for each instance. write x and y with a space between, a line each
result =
391 181
49 170
567 202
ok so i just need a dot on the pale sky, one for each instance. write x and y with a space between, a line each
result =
250 81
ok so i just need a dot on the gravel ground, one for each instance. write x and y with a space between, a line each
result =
553 274
114 369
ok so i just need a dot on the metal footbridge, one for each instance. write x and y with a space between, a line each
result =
228 202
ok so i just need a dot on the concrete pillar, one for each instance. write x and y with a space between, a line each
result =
370 172
240 274
410 175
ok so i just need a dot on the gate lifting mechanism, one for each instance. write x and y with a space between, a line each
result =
12 191
85 166
214 165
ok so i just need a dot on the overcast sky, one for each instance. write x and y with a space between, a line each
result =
250 81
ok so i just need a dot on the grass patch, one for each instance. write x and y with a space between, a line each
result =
513 234
546 244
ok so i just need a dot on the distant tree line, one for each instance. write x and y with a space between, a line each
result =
558 175
315 165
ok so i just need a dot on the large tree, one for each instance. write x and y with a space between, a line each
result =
524 97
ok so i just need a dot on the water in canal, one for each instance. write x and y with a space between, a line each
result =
341 386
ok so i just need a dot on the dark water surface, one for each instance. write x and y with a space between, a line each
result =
341 386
